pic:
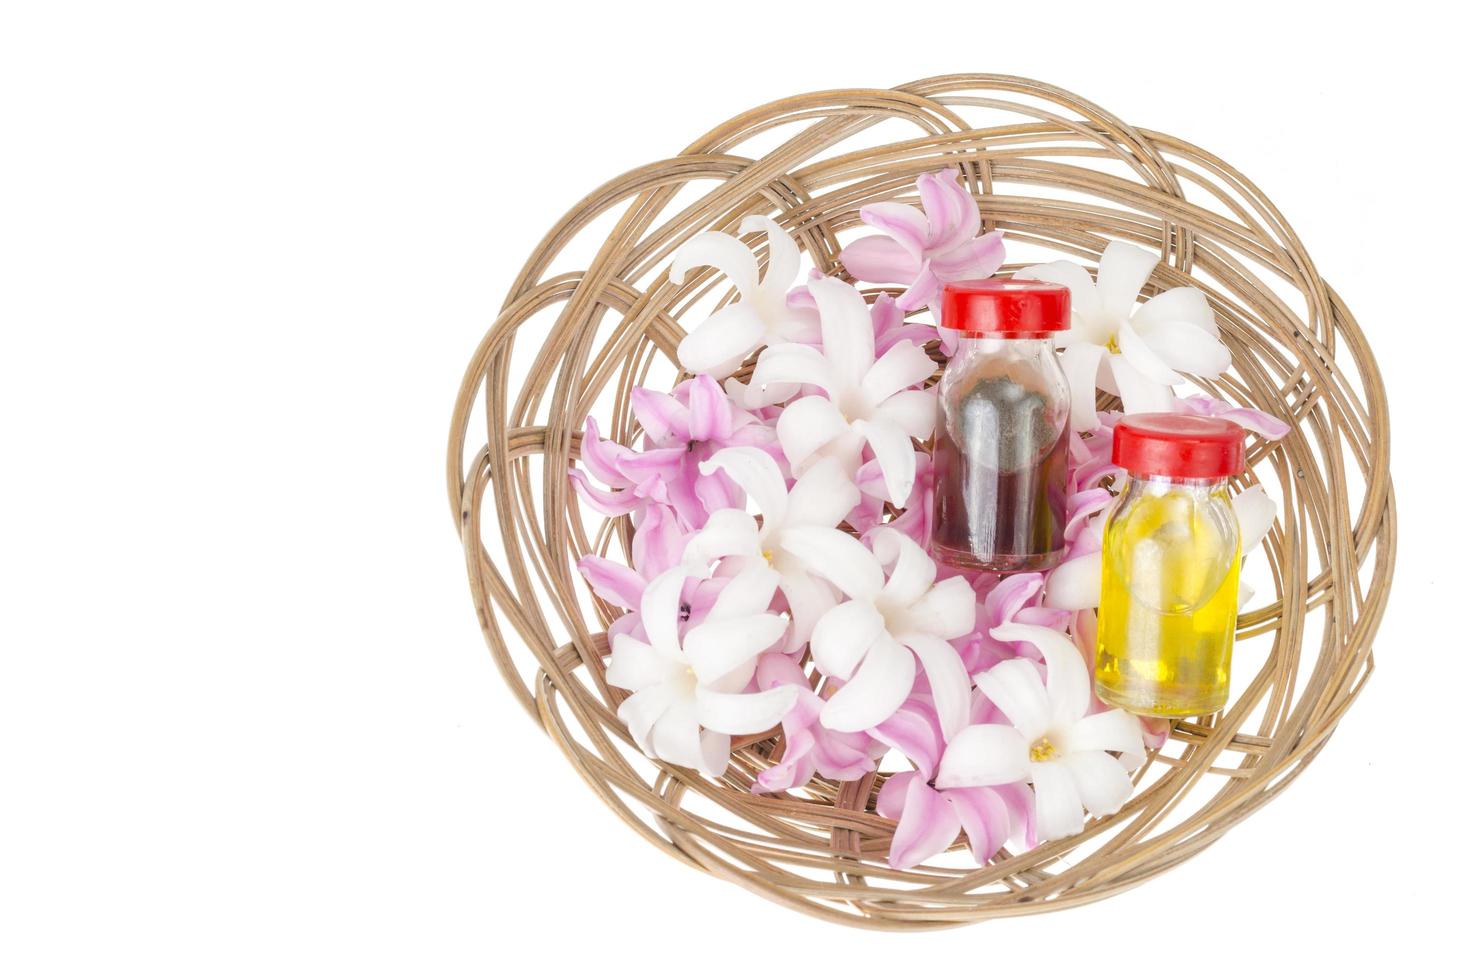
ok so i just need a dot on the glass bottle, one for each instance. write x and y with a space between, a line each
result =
1002 428
1169 587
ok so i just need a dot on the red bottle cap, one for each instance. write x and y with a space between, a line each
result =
1186 447
1005 308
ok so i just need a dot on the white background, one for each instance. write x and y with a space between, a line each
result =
248 725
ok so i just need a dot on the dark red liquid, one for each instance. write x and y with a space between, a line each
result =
1001 458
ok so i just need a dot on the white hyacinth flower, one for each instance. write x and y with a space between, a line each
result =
761 316
1133 352
688 695
864 400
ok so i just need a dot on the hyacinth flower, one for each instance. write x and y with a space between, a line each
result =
1075 760
1136 353
872 642
924 251
657 545
1013 599
811 750
930 820
863 400
680 432
690 686
791 521
1260 423
761 316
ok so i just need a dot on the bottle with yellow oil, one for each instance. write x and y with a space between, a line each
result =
1169 592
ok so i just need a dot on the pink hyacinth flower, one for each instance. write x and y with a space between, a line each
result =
924 251
1015 599
680 431
810 748
1257 422
930 820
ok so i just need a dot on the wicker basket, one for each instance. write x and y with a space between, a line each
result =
1060 177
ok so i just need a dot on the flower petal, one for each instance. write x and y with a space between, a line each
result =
1075 584
807 598
746 594
879 258
1112 730
806 427
1255 513
641 712
984 816
903 366
822 496
979 258
1124 269
657 542
1068 680
1147 361
659 608
793 364
756 473
836 556
1260 423
950 208
1058 810
984 755
1183 304
843 635
601 456
720 343
743 714
714 752
710 411
613 581
1081 364
914 730
949 685
912 574
783 258
635 665
896 455
1100 782
947 610
663 417
913 411
927 827
847 331
675 737
728 532
905 225
890 803
1017 690
717 647
1184 347
875 691
1137 392
724 252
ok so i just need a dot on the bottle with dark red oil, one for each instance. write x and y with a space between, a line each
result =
1002 430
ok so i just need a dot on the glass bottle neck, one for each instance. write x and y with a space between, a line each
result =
992 343
1157 485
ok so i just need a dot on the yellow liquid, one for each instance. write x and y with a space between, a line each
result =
1168 603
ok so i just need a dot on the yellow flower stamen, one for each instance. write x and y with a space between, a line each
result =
1042 750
